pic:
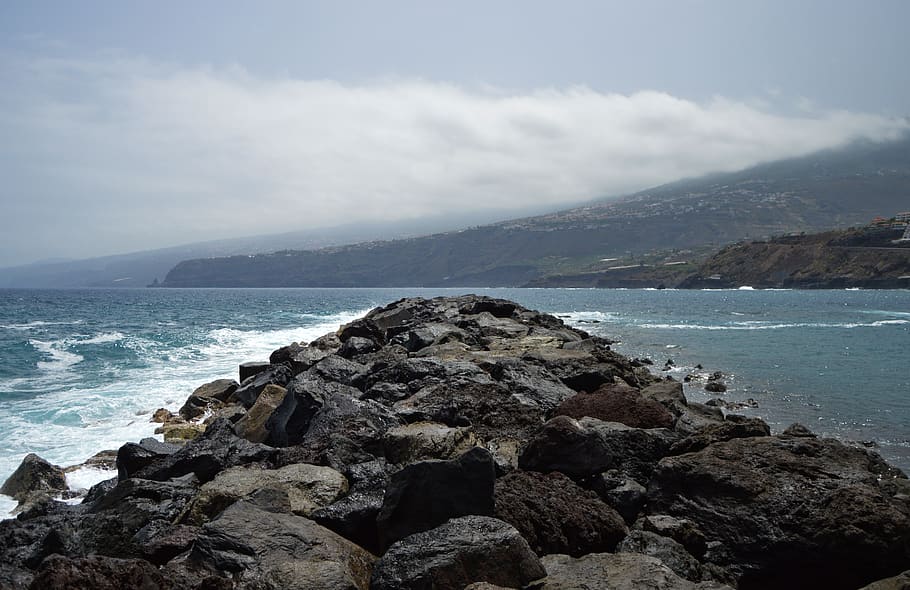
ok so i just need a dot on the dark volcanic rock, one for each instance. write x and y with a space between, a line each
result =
34 474
98 573
247 370
425 494
460 552
258 424
132 457
617 403
790 512
251 387
354 516
555 515
726 430
681 530
586 447
668 551
215 450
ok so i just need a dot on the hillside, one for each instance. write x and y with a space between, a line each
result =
866 258
829 189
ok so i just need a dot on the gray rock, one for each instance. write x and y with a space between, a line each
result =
133 457
668 551
615 571
34 474
426 440
460 552
206 397
898 582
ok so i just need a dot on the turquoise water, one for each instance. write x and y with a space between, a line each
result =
82 370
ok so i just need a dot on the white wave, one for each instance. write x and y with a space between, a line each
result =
85 477
587 316
61 359
746 288
103 338
37 324
760 326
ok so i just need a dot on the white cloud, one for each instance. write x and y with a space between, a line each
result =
153 154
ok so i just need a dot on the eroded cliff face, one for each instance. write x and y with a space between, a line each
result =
465 442
828 260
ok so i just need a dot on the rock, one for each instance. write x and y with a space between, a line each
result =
356 346
460 552
555 515
426 440
622 493
344 431
250 369
500 308
617 403
180 432
581 448
299 357
98 573
34 474
681 530
425 494
132 457
161 542
790 512
250 388
267 550
254 425
668 551
534 386
307 487
161 415
693 417
726 430
615 571
899 582
207 396
798 430
354 516
214 451
715 387
667 393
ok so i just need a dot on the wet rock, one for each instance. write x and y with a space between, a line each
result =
615 571
426 440
251 387
617 403
425 494
555 515
206 397
727 430
715 387
34 474
460 552
581 448
668 551
789 512
98 573
132 457
798 430
263 549
216 450
307 488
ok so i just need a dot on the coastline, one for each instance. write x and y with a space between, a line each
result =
533 359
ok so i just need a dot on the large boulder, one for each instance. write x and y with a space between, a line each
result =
617 403
307 488
670 552
458 553
425 494
252 386
354 516
216 450
586 447
34 474
261 549
426 440
133 457
555 515
791 512
256 425
615 571
726 430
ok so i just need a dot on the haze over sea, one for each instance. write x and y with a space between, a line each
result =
83 370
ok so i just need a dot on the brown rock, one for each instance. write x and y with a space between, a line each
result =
617 403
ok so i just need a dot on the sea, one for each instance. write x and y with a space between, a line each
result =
83 370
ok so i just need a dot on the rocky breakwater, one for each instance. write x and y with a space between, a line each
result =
465 442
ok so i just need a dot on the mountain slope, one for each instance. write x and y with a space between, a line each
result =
829 189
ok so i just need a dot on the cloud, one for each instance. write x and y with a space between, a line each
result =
145 154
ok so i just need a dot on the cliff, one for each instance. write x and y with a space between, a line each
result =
864 258
462 442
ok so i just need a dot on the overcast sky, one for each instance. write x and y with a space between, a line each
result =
133 125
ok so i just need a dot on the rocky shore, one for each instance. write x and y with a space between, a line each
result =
462 442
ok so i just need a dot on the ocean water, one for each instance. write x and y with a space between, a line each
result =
83 370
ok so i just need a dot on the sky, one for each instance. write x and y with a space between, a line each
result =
134 125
